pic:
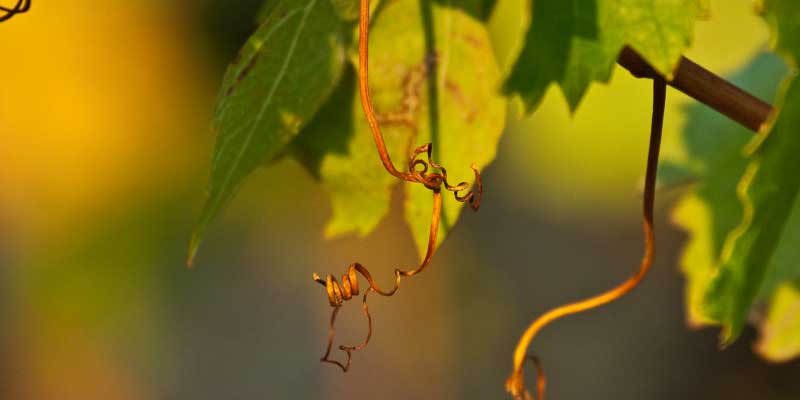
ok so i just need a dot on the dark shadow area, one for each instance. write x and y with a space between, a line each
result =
550 39
226 25
331 129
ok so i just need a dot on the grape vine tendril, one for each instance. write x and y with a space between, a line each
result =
515 384
424 171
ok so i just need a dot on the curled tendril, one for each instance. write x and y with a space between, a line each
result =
515 384
338 292
424 171
434 180
21 7
431 180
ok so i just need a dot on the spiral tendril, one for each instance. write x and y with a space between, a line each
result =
21 7
338 292
418 169
424 171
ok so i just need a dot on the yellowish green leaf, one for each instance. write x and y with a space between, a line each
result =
763 250
712 160
418 51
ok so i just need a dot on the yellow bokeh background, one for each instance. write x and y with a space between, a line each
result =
95 101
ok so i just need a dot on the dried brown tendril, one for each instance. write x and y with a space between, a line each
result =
21 7
515 384
424 171
338 293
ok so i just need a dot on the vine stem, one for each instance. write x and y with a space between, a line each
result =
705 87
515 384
366 100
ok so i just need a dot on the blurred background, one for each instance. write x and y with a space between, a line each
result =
105 144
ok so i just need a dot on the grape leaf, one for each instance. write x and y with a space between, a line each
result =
712 159
763 247
573 43
468 119
408 41
281 77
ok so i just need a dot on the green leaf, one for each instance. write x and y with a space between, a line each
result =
464 127
281 77
780 340
573 43
763 247
712 159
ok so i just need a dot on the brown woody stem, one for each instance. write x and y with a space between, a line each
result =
705 87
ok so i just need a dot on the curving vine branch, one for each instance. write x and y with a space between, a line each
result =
515 384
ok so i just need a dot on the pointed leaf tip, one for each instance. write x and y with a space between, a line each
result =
282 75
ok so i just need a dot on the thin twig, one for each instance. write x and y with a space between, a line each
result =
338 293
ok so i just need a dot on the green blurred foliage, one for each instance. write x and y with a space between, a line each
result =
762 249
741 217
713 160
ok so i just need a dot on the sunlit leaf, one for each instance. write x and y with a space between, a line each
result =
464 127
763 247
712 161
574 43
281 77
338 149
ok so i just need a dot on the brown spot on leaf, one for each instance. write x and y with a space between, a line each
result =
242 74
406 113
468 109
472 40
